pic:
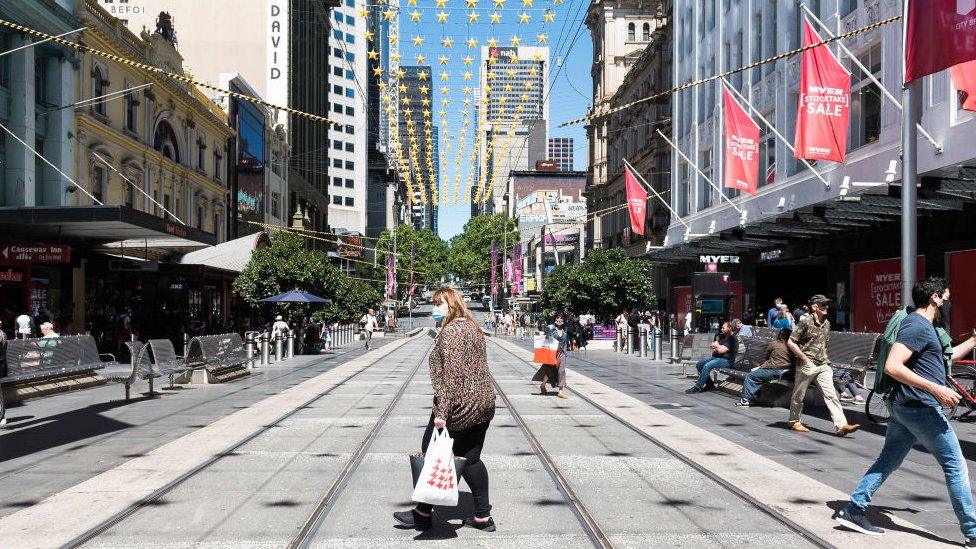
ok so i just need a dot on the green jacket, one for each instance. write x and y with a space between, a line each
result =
882 382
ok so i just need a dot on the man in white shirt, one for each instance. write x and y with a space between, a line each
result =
370 324
24 326
280 327
47 331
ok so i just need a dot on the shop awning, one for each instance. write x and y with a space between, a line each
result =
98 224
232 255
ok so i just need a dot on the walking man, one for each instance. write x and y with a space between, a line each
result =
774 312
917 367
370 324
809 343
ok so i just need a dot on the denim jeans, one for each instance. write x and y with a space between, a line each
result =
931 429
755 379
705 367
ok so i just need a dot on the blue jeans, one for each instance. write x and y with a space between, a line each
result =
931 429
705 367
755 379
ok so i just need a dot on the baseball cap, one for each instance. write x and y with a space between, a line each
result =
819 298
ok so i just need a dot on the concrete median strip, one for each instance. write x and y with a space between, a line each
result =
68 514
797 497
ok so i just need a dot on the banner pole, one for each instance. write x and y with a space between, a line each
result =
911 102
776 132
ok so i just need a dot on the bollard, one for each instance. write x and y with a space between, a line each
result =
279 346
249 344
186 344
674 345
642 342
627 342
658 344
291 343
619 347
265 350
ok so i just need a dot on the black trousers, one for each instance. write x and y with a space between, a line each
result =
467 444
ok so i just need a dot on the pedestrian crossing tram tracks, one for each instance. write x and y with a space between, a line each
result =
597 535
311 525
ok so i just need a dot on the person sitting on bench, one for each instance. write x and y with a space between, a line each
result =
780 363
724 347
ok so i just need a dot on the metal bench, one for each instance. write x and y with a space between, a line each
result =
223 357
165 361
751 354
695 347
854 351
41 359
764 331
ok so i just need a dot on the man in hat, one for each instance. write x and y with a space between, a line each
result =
280 327
809 343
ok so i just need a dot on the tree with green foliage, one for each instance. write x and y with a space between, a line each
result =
287 264
470 254
430 265
603 284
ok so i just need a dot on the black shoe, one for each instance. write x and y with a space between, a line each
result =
413 519
744 402
970 542
858 522
486 526
694 390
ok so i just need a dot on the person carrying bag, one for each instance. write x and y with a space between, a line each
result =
552 356
464 405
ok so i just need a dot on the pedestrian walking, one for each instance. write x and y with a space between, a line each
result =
327 334
724 348
916 365
780 363
464 404
555 374
809 342
25 326
369 324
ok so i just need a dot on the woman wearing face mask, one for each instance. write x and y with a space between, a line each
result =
555 374
464 403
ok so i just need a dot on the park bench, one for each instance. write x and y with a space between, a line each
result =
854 351
222 357
763 331
165 361
751 354
60 359
694 347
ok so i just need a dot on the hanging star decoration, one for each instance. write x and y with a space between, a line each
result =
495 17
524 18
442 59
389 15
468 60
418 40
415 16
368 34
473 17
442 17
499 3
472 42
447 42
420 59
515 41
549 16
373 54
440 3
472 3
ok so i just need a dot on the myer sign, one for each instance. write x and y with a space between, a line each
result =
718 259
278 55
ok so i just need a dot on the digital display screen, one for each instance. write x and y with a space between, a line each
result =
712 306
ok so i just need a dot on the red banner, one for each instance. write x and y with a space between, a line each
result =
824 108
940 34
741 147
636 202
35 253
876 292
682 304
960 268
964 79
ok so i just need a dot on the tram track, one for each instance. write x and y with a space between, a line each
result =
580 508
310 525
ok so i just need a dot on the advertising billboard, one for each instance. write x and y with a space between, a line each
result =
876 292
960 267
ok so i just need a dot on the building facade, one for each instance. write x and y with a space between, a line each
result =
800 236
560 151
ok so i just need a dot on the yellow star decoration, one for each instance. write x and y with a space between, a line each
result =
533 71
442 60
394 38
524 97
467 75
472 3
424 89
378 71
363 13
548 17
389 15
400 72
447 42
396 58
537 56
382 86
513 57
422 76
411 2
490 75
415 16
502 100
529 84
508 87
368 34
418 40
472 43
445 75
373 54
425 102
445 101
511 73
473 17
467 91
405 101
496 18
442 17
440 3
445 90
492 43
524 18
515 41
468 60
420 59
542 38
499 3
526 3
402 88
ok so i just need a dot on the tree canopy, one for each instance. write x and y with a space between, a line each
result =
470 253
430 265
603 284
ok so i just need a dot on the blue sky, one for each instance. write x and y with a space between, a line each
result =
571 89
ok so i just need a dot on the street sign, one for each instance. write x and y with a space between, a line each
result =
126 265
36 253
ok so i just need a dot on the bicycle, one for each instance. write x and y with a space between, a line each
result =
962 381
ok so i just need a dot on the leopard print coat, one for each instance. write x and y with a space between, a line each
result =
463 393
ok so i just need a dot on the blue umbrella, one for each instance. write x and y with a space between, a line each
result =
296 296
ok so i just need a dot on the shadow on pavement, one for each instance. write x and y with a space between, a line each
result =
22 439
879 517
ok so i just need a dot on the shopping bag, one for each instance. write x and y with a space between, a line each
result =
545 349
438 478
417 466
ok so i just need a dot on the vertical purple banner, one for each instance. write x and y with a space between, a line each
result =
517 268
413 256
390 274
494 269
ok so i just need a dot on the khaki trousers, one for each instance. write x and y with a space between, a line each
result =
823 374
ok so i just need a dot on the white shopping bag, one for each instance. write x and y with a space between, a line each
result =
438 479
545 350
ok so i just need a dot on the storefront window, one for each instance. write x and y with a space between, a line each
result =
866 100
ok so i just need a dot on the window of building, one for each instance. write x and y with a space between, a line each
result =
767 156
866 100
200 213
770 46
350 93
337 89
631 32
218 165
337 71
350 129
350 20
351 3
646 32
4 72
847 6
350 38
757 44
336 181
131 110
99 183
349 183
336 163
350 147
683 186
350 201
99 88
350 165
179 203
336 144
128 193
337 108
338 16
937 88
336 52
166 199
337 200
337 34
351 57
201 156
350 75
704 188
351 111
216 224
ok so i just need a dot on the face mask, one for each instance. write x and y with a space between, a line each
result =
439 312
944 311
